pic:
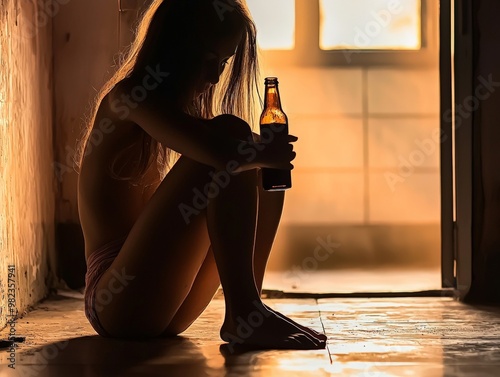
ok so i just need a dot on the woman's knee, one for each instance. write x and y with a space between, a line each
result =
233 126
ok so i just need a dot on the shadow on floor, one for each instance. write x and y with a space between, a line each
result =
96 356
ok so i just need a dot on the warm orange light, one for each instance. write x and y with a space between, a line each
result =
370 24
275 22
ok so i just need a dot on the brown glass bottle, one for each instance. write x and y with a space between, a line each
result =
274 127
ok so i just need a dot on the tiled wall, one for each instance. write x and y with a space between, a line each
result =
368 149
26 155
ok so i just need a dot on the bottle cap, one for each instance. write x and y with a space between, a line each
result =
271 80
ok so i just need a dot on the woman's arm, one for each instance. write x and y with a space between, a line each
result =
181 132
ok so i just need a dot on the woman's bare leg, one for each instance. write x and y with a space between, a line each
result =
207 281
202 292
162 256
232 219
270 210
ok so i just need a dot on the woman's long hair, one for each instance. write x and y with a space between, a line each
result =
169 29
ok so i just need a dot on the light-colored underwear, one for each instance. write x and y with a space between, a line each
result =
97 264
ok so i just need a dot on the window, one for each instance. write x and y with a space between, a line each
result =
275 20
370 24
348 32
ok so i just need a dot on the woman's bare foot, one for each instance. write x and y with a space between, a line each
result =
265 329
310 331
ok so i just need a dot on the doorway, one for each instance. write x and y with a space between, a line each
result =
365 211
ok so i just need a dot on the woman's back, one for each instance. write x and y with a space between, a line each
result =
108 208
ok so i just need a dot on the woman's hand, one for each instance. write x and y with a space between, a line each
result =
252 152
277 154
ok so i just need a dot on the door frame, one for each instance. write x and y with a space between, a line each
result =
456 66
448 279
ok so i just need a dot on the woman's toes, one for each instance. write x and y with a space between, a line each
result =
305 341
295 339
322 337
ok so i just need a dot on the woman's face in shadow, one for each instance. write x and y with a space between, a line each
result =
215 58
209 63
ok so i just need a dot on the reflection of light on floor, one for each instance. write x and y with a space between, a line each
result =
348 280
213 357
352 369
295 308
354 349
296 363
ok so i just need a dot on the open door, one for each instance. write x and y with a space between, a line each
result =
457 144
463 130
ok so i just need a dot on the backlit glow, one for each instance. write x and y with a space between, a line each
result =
370 24
275 22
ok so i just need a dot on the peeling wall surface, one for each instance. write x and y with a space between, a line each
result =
26 153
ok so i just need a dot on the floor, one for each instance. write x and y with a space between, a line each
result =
377 337
354 280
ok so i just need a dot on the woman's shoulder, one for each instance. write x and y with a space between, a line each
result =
114 103
111 130
125 98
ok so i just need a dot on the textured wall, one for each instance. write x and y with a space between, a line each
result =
85 42
26 153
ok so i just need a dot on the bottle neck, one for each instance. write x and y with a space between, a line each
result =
272 97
